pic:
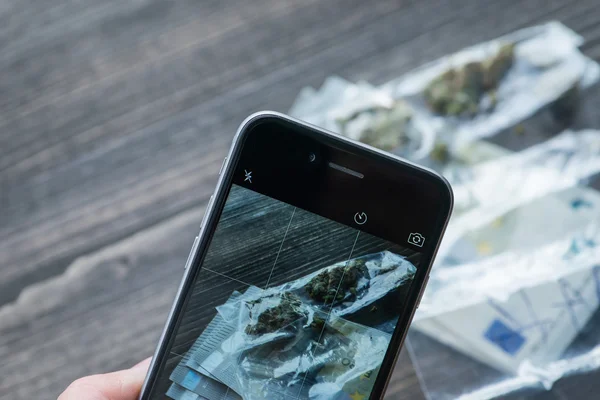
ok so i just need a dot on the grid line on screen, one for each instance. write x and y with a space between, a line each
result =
225 276
280 247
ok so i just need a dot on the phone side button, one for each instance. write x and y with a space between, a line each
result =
423 291
206 211
223 165
192 252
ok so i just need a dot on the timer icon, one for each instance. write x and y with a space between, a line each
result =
360 218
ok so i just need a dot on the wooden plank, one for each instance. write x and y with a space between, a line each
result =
202 65
164 156
453 36
95 39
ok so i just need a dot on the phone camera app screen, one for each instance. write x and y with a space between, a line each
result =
287 305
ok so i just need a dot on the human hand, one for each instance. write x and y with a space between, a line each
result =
120 385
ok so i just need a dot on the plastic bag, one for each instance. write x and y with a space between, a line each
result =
299 339
512 305
485 192
479 91
519 313
308 337
322 359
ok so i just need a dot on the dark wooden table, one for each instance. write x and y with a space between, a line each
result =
114 119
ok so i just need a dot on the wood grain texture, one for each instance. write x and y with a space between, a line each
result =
114 119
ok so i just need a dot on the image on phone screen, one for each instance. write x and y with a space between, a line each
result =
287 305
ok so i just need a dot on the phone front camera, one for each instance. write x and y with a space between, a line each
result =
312 157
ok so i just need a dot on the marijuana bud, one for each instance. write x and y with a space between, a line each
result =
278 317
458 91
335 284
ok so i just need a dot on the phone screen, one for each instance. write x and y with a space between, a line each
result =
289 301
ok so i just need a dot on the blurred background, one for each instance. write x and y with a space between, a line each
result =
115 117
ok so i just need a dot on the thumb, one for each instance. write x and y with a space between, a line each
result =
120 385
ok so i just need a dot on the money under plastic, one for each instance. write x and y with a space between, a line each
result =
517 307
202 384
236 349
177 392
529 275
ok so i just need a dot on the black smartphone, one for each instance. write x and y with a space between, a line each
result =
309 265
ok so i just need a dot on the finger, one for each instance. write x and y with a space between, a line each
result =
120 385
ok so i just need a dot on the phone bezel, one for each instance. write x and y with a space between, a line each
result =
215 206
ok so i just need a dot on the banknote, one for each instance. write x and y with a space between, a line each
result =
202 384
177 392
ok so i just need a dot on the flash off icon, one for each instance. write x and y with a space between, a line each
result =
248 176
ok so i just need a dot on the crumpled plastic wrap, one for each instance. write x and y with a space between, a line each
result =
318 337
516 287
488 190
527 310
316 358
542 65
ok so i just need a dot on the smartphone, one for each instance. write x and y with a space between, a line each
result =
309 265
